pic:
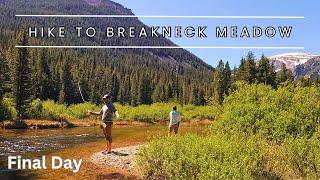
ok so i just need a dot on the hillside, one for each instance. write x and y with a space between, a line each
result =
131 76
9 8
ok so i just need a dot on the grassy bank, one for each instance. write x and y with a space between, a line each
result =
48 114
262 133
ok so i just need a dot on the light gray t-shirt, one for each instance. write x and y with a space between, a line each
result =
107 111
174 118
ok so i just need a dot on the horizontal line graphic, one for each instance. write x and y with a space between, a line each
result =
156 16
165 47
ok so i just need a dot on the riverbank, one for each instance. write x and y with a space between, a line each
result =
123 157
52 124
125 143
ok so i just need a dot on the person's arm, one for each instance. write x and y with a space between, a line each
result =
170 119
115 111
95 113
117 115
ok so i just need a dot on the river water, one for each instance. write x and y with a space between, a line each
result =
35 143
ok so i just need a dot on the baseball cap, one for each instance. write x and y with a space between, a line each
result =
106 96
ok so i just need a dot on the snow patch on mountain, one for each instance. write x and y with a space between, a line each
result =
291 60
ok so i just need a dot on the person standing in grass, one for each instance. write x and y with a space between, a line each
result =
107 112
174 121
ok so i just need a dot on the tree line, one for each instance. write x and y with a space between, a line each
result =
71 76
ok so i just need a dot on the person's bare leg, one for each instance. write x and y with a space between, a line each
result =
110 144
176 130
170 131
106 137
109 138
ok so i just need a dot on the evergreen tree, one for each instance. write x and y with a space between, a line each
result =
145 91
194 99
272 78
250 68
241 73
156 94
218 83
67 90
42 86
3 79
284 74
201 98
226 79
114 87
22 81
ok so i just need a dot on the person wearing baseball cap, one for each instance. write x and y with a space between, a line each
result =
106 113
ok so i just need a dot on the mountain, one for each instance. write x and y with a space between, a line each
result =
131 76
9 8
311 68
301 64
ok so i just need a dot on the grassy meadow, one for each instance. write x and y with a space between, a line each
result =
262 133
49 114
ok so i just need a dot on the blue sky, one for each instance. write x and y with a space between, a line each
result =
305 31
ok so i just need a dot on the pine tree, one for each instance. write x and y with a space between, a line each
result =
226 78
3 78
241 73
284 74
218 89
22 85
272 78
201 98
265 72
67 90
114 87
42 85
250 68
134 90
145 91
156 94
195 96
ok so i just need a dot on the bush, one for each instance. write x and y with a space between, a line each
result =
275 114
303 155
8 109
79 111
262 133
194 157
160 112
35 109
54 111
146 113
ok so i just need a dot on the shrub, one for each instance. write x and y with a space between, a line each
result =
303 156
194 157
79 111
55 111
8 108
275 114
160 112
35 110
262 133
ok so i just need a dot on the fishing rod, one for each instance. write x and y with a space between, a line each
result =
80 91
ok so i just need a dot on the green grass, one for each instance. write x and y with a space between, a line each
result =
262 133
156 112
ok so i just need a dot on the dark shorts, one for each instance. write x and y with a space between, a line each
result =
174 128
106 127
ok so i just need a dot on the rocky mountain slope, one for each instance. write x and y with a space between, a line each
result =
301 64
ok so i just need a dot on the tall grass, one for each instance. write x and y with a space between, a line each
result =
262 133
146 113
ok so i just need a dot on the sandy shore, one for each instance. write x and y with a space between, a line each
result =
123 158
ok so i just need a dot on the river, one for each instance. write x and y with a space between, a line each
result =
35 143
